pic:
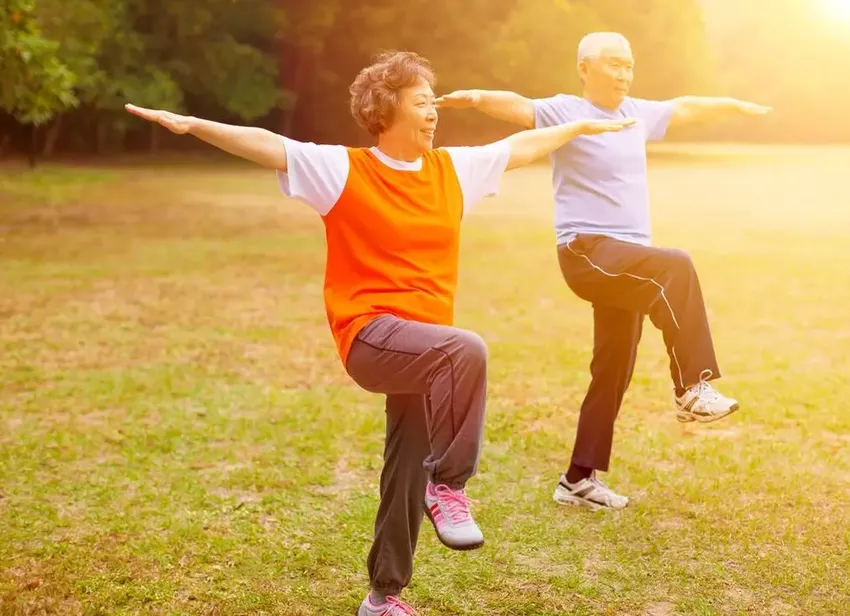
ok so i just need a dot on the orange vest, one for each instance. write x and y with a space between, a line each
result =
392 245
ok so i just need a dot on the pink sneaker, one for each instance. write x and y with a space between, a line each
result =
448 510
392 607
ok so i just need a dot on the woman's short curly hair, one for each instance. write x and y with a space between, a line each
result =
375 90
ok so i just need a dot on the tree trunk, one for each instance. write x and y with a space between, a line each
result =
102 136
32 153
155 137
4 143
51 137
297 81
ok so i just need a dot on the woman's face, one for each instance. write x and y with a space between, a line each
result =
415 118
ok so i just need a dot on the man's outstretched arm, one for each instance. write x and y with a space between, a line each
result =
502 105
697 109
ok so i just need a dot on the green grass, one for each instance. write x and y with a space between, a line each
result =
177 435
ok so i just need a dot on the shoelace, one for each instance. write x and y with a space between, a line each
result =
399 606
704 388
456 502
595 480
706 391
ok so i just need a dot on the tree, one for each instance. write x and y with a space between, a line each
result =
451 35
213 54
216 50
69 67
35 84
794 62
535 49
669 42
300 41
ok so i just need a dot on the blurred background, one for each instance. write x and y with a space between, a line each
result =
177 433
68 67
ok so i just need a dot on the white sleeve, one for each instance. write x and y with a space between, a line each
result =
315 174
479 170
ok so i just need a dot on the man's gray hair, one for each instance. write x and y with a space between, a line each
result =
592 45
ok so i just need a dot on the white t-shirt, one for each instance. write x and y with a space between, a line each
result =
600 181
316 174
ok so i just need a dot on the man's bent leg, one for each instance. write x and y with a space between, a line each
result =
656 281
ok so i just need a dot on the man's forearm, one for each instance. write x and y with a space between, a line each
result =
506 106
688 109
529 145
255 144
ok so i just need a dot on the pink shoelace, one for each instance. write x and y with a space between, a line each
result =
456 503
397 606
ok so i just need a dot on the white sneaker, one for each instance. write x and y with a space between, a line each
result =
590 493
448 511
703 403
393 606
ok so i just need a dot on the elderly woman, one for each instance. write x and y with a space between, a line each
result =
392 216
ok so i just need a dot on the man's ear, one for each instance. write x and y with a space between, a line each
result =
581 68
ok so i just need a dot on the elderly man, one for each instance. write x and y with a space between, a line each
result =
603 233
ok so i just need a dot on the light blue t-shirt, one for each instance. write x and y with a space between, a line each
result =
600 181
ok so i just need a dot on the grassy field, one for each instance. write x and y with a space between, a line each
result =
178 437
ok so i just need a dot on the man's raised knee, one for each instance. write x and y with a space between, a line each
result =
680 259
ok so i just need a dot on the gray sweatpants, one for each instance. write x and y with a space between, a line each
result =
435 381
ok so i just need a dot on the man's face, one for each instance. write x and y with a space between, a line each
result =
608 78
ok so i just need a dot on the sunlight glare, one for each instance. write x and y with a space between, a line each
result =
837 9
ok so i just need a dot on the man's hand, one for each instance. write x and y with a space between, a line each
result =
459 99
752 109
177 124
597 127
502 105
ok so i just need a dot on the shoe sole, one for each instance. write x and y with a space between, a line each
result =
685 417
563 498
459 548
